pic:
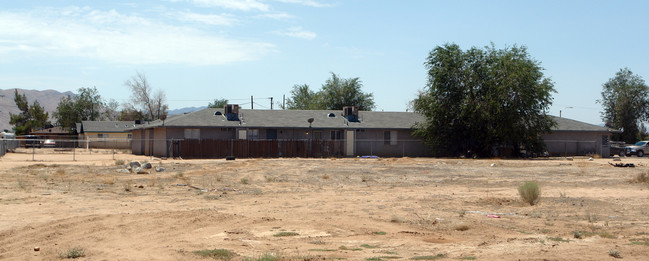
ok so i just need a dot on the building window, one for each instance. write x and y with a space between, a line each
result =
253 134
192 134
390 137
335 135
130 136
102 135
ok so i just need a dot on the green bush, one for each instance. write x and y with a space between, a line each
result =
530 192
221 254
72 253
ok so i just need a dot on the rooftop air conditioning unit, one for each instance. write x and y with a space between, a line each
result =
350 113
231 112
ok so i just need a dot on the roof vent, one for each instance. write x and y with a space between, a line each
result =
217 113
331 115
350 113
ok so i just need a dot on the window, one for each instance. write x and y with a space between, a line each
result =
102 135
130 136
192 134
390 137
335 135
253 134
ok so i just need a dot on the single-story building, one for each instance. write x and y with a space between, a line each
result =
571 138
106 134
217 133
231 131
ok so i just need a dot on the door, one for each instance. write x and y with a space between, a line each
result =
350 143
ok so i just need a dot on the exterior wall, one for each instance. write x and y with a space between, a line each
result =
577 143
160 146
137 143
374 142
158 142
108 140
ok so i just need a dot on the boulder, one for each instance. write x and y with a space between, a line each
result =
146 165
123 171
134 164
159 169
139 170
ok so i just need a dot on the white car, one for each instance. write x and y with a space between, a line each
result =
639 149
49 143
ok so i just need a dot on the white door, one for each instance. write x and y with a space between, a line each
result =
350 143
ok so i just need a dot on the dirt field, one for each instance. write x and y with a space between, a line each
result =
320 209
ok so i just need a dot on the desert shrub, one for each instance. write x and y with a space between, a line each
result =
438 256
530 192
221 254
614 253
119 162
74 252
286 234
245 181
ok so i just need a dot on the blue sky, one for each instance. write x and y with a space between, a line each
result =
199 50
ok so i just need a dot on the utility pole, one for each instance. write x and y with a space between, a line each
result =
283 101
271 103
252 103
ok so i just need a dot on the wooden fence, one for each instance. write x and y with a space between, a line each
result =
255 148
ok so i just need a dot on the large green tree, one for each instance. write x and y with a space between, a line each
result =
335 93
482 99
87 105
625 101
30 118
302 98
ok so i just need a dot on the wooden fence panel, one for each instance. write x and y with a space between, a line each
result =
208 148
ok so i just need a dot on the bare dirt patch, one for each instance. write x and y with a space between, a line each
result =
321 209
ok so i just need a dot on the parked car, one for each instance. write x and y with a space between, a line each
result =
49 143
639 149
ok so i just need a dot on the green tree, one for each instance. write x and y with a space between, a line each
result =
85 106
302 98
30 117
337 93
625 101
218 103
480 99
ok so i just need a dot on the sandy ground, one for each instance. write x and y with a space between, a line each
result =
320 209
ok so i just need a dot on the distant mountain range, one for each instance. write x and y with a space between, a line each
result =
49 99
185 110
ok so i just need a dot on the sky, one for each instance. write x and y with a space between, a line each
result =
200 50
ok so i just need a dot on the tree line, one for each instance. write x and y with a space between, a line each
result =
145 104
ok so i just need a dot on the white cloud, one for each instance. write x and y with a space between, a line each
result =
243 5
117 38
276 16
297 32
209 19
305 2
